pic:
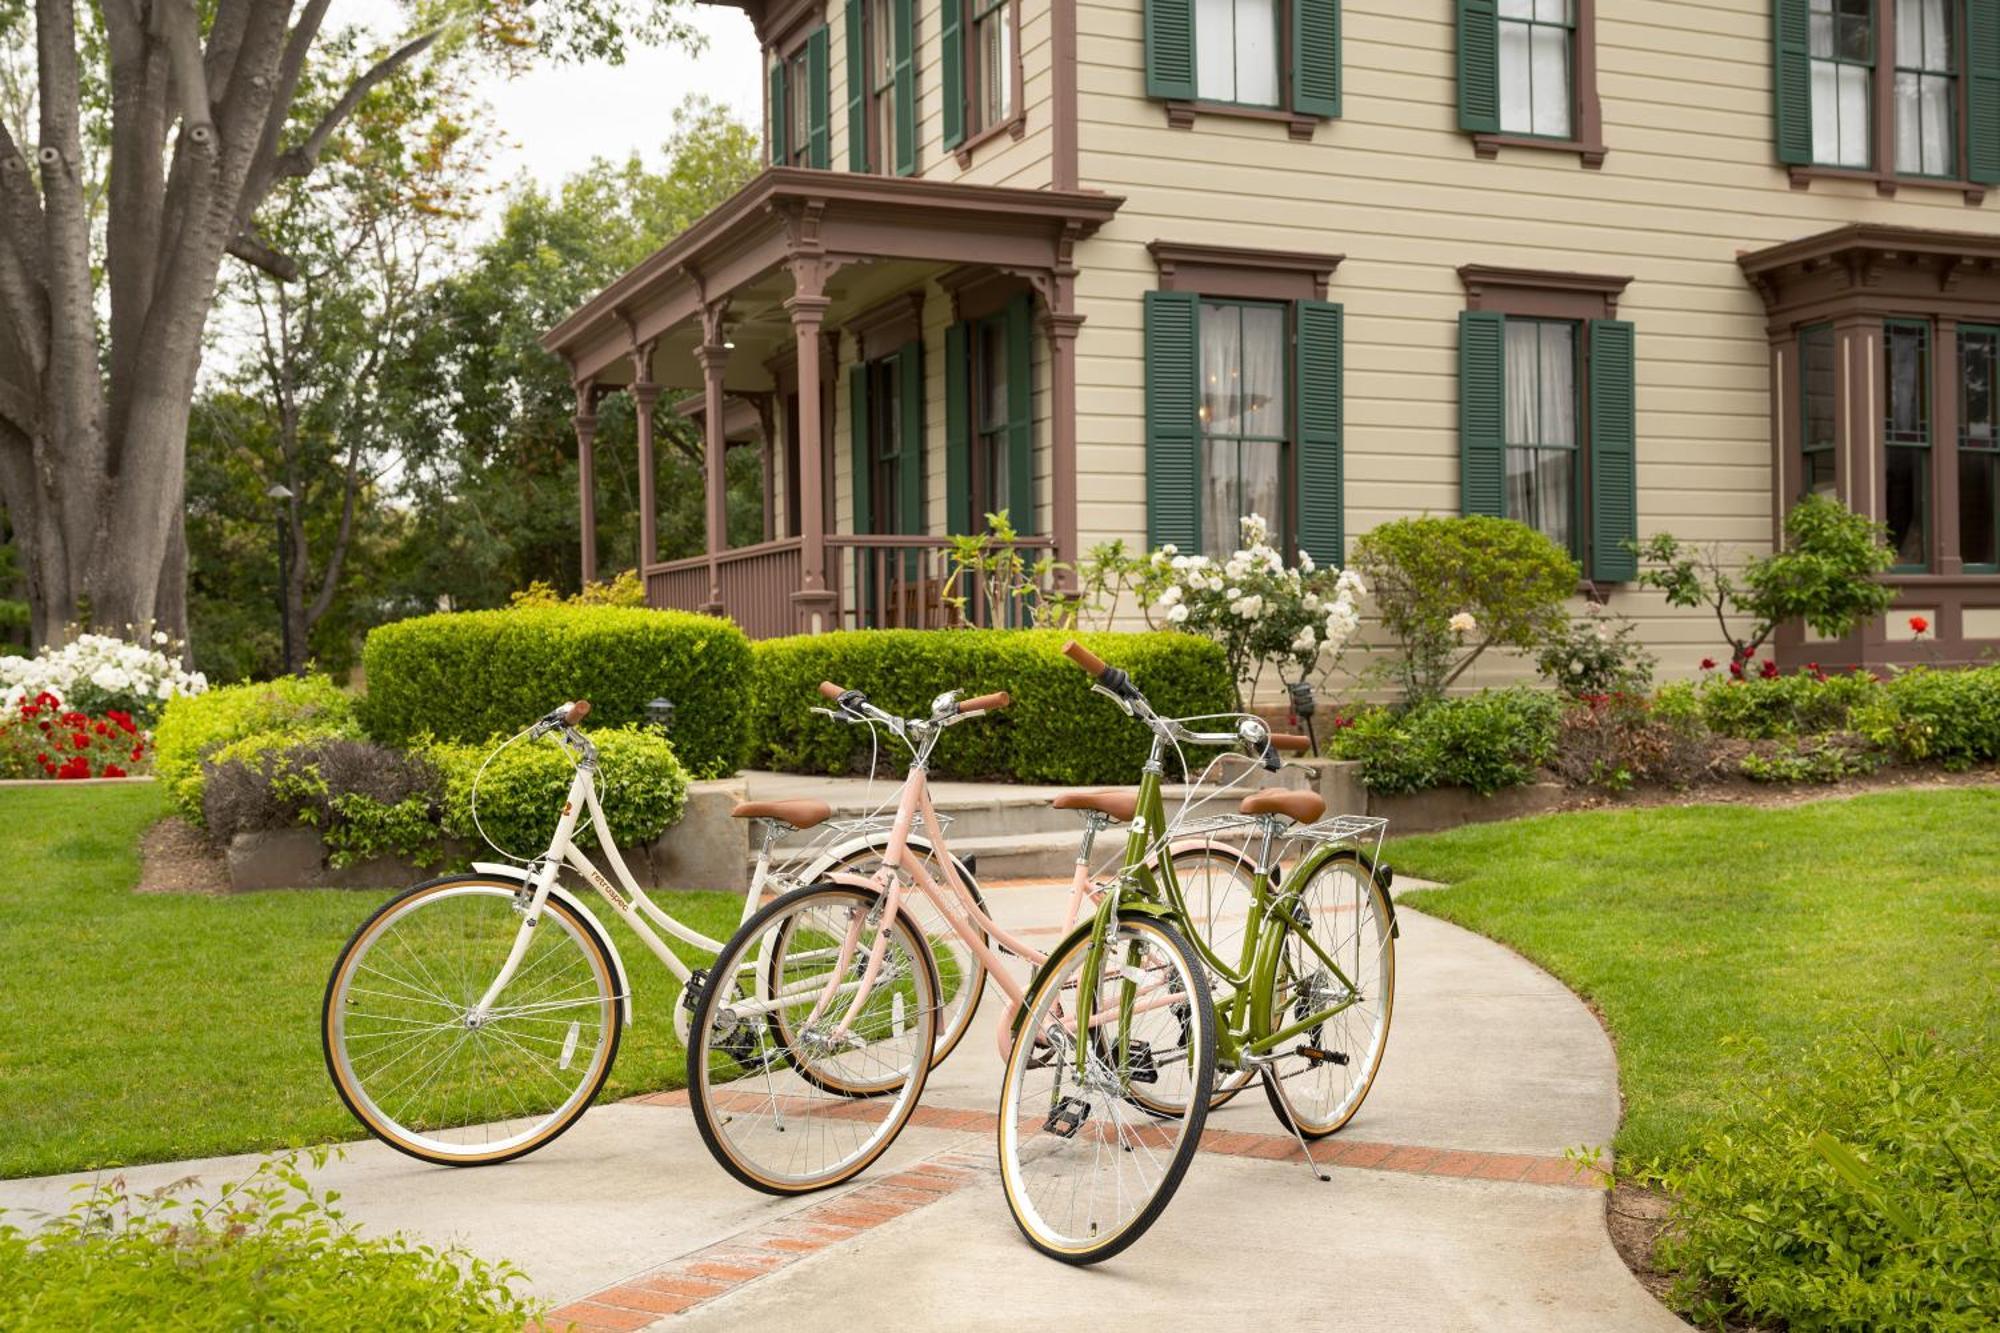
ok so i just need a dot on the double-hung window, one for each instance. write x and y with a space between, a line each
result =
1906 440
1236 45
1979 448
1926 88
1263 59
980 65
1543 464
989 413
993 65
800 103
1817 411
798 129
881 79
1244 442
1536 41
1843 70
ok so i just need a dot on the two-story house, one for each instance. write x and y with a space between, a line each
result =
1135 268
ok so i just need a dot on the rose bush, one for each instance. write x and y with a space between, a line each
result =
1294 619
39 738
95 673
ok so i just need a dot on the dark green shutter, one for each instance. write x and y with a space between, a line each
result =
910 441
857 410
959 519
857 88
1173 445
1982 90
951 38
777 111
1614 489
1482 413
906 87
1316 57
819 136
1021 412
1791 80
1170 49
1479 66
1321 528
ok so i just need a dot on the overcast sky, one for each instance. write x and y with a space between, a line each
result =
553 120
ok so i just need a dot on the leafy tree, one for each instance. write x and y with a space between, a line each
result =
489 449
162 128
1823 574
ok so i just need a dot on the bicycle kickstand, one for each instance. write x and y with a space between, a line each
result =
1292 1125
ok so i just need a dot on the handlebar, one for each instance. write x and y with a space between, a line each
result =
830 690
986 702
1294 744
1092 664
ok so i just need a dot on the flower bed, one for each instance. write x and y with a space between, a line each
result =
39 738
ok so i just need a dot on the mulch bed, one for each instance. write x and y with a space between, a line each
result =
1741 791
177 857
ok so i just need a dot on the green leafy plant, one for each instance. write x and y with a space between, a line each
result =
989 569
1774 707
625 588
469 675
1596 653
366 800
1830 757
194 727
1823 574
1616 741
1057 730
1856 1189
1487 741
640 782
1946 717
1448 589
266 1252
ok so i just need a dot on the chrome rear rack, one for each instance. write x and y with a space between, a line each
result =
1342 828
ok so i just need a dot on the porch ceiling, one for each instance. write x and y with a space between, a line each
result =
863 236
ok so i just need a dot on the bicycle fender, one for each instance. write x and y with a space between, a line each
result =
816 872
577 905
1081 931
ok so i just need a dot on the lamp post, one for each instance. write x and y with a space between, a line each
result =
278 495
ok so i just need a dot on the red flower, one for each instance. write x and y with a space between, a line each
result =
1919 624
138 753
1736 669
48 701
1769 671
80 741
78 767
1708 664
101 729
113 771
42 759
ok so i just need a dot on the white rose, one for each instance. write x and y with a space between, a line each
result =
1237 566
1576 667
1233 593
1171 596
1306 564
1249 607
1306 641
1312 602
1349 585
1463 623
1176 614
160 637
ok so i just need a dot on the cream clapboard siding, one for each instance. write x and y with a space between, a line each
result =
1023 163
1690 180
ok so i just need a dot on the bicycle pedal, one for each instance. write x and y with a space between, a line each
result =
1140 1066
1321 1057
1067 1118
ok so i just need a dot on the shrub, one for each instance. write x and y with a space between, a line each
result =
470 675
39 738
625 588
1858 1190
1829 757
1823 574
1614 741
1951 717
194 727
640 782
365 799
1450 588
1774 707
1486 741
268 1252
1057 731
1596 654
95 673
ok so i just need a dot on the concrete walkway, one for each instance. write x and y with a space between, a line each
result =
1451 1206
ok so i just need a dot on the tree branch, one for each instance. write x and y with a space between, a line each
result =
337 556
175 24
301 160
254 251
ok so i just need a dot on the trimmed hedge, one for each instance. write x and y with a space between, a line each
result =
195 726
641 784
1485 741
470 675
1947 717
1056 732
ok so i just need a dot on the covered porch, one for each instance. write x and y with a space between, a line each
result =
885 286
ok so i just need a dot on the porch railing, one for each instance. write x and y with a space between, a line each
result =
895 581
757 584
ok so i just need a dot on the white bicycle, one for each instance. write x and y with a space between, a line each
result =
474 1018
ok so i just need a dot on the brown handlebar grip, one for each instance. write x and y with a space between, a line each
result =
830 690
1282 741
986 702
1083 657
576 712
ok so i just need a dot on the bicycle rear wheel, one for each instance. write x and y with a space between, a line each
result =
787 1095
1086 1170
1319 1078
409 1061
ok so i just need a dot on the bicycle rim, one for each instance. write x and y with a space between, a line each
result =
407 1063
1087 1171
772 1062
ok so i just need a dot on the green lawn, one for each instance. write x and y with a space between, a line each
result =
136 1028
1721 939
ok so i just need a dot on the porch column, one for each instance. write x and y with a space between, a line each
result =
814 599
713 354
768 446
645 393
585 422
1062 328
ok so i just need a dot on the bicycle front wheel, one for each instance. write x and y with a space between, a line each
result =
1086 1169
790 1093
1319 1077
429 1078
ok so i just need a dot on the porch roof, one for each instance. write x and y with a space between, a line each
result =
1867 267
751 250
